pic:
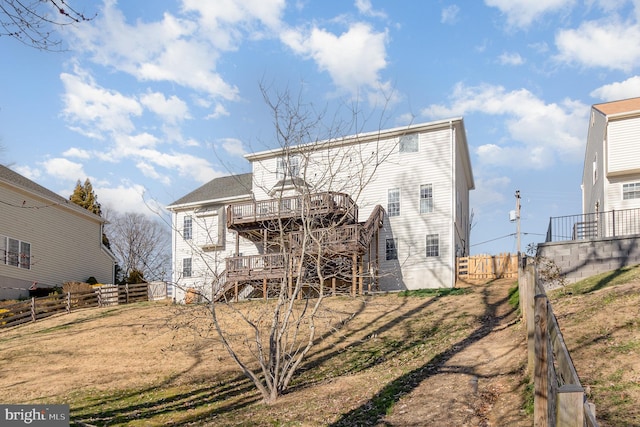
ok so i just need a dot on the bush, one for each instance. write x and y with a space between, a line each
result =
92 281
75 287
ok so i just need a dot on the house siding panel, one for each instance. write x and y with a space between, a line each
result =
594 191
65 245
624 140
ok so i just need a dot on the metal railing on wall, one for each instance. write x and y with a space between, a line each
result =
614 223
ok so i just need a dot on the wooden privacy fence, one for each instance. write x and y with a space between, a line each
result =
559 398
487 267
106 295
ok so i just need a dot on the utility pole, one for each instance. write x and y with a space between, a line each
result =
518 224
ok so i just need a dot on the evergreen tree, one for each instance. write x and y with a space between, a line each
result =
83 195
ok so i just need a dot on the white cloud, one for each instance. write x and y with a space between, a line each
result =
149 171
353 59
540 132
218 111
28 172
365 8
126 197
629 88
489 191
450 14
78 153
614 45
233 147
171 109
95 109
522 13
168 50
512 58
64 169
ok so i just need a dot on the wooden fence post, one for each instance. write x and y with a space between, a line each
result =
33 309
541 368
570 406
528 303
68 302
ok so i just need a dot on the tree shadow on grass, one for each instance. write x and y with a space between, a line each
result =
197 404
372 411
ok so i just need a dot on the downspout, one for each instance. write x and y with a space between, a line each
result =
452 228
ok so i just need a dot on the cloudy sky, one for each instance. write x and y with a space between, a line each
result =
152 99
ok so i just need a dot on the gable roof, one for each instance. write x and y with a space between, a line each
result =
618 107
16 180
219 188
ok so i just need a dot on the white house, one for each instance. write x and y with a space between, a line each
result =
46 240
404 192
611 174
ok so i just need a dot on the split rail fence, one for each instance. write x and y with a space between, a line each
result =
39 308
480 267
559 398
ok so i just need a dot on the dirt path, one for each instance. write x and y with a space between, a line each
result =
478 382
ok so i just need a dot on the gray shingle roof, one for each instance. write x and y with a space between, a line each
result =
219 188
17 180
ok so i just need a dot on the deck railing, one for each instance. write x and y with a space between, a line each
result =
287 207
255 265
594 225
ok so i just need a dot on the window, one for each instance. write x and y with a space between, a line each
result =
15 252
187 228
25 255
433 245
288 167
393 202
392 249
409 143
426 198
631 191
186 267
595 168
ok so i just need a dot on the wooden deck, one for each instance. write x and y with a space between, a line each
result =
248 215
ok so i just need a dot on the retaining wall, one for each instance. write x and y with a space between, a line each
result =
579 259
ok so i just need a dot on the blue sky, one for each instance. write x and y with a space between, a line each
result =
152 99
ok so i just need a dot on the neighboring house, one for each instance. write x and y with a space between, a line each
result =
611 175
392 209
46 240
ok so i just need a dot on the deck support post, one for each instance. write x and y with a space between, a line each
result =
333 286
264 288
354 274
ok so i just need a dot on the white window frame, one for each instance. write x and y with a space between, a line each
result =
631 191
393 202
287 167
187 227
187 267
432 247
15 252
391 249
409 143
426 198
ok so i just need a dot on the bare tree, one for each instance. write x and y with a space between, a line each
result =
310 241
140 243
33 22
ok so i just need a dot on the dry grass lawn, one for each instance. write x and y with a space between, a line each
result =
405 361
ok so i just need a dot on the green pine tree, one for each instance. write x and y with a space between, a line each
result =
83 195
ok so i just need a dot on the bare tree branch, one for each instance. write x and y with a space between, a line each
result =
34 22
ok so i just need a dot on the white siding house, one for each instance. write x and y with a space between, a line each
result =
611 174
419 175
46 239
